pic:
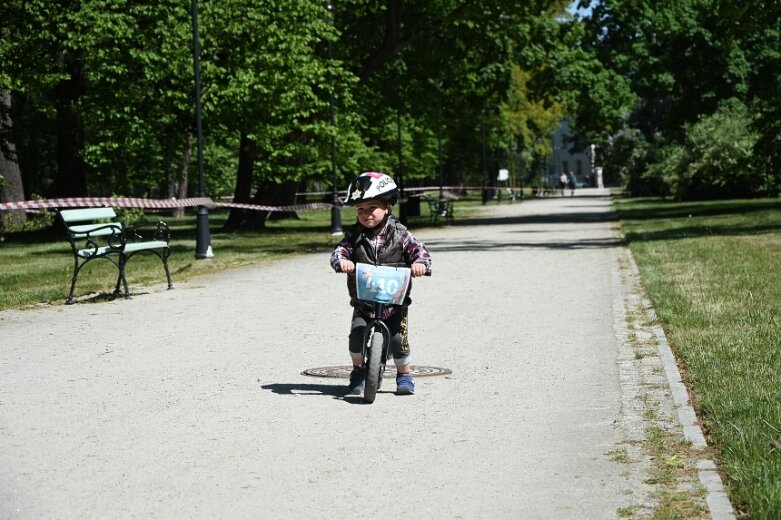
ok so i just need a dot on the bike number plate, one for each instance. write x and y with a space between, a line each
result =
381 283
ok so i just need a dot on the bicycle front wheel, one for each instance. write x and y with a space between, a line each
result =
374 366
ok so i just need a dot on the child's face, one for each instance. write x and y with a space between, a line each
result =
372 213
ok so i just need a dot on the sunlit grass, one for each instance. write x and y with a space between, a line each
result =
713 270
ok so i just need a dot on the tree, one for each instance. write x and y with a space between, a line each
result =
119 77
11 187
683 59
447 66
265 79
30 72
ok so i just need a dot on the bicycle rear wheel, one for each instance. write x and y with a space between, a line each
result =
374 366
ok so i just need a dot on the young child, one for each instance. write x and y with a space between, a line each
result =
378 238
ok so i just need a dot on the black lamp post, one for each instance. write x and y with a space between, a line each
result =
400 174
336 216
486 180
440 125
203 248
400 151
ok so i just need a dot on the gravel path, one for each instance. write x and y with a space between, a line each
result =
191 403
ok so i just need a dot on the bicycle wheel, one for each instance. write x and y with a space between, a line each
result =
373 366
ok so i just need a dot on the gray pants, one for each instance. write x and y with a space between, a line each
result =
397 325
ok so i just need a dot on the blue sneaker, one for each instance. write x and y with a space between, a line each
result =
357 378
404 384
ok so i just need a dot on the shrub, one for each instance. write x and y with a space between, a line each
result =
716 159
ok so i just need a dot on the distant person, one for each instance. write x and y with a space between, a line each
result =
562 182
573 182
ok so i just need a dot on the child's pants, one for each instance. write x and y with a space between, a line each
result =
397 325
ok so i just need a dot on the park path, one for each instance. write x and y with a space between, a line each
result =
191 403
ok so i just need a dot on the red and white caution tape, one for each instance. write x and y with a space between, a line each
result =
131 202
91 202
258 207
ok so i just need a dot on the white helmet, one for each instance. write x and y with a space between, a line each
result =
372 186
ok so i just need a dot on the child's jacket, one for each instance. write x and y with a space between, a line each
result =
393 246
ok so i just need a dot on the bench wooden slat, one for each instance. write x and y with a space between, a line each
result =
80 215
100 251
132 247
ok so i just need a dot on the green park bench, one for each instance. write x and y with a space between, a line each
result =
94 233
439 208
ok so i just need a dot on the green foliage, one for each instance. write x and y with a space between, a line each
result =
444 68
532 120
716 159
266 76
685 61
597 96
130 216
41 220
138 91
629 157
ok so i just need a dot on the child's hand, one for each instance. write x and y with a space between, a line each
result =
346 266
418 269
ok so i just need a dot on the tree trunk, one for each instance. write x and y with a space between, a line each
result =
71 170
243 193
184 171
11 182
273 194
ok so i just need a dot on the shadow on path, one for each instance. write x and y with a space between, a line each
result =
580 217
306 389
480 245
700 231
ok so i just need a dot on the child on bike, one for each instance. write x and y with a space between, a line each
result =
378 238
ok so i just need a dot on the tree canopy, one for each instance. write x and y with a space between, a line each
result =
103 90
100 93
687 61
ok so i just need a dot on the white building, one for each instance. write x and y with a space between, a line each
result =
566 159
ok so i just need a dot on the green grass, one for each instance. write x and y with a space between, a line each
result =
36 267
713 271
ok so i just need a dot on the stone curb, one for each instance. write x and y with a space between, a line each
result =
716 496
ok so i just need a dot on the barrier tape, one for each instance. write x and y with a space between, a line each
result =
294 207
131 202
413 189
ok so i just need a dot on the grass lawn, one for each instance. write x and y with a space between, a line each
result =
37 267
713 271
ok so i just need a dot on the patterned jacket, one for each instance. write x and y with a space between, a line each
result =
394 246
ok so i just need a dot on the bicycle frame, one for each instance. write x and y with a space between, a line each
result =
371 328
380 285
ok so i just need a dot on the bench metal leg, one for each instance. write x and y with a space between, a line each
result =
122 261
164 257
69 299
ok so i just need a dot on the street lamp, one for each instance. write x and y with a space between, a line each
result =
336 216
400 174
203 248
486 180
440 125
